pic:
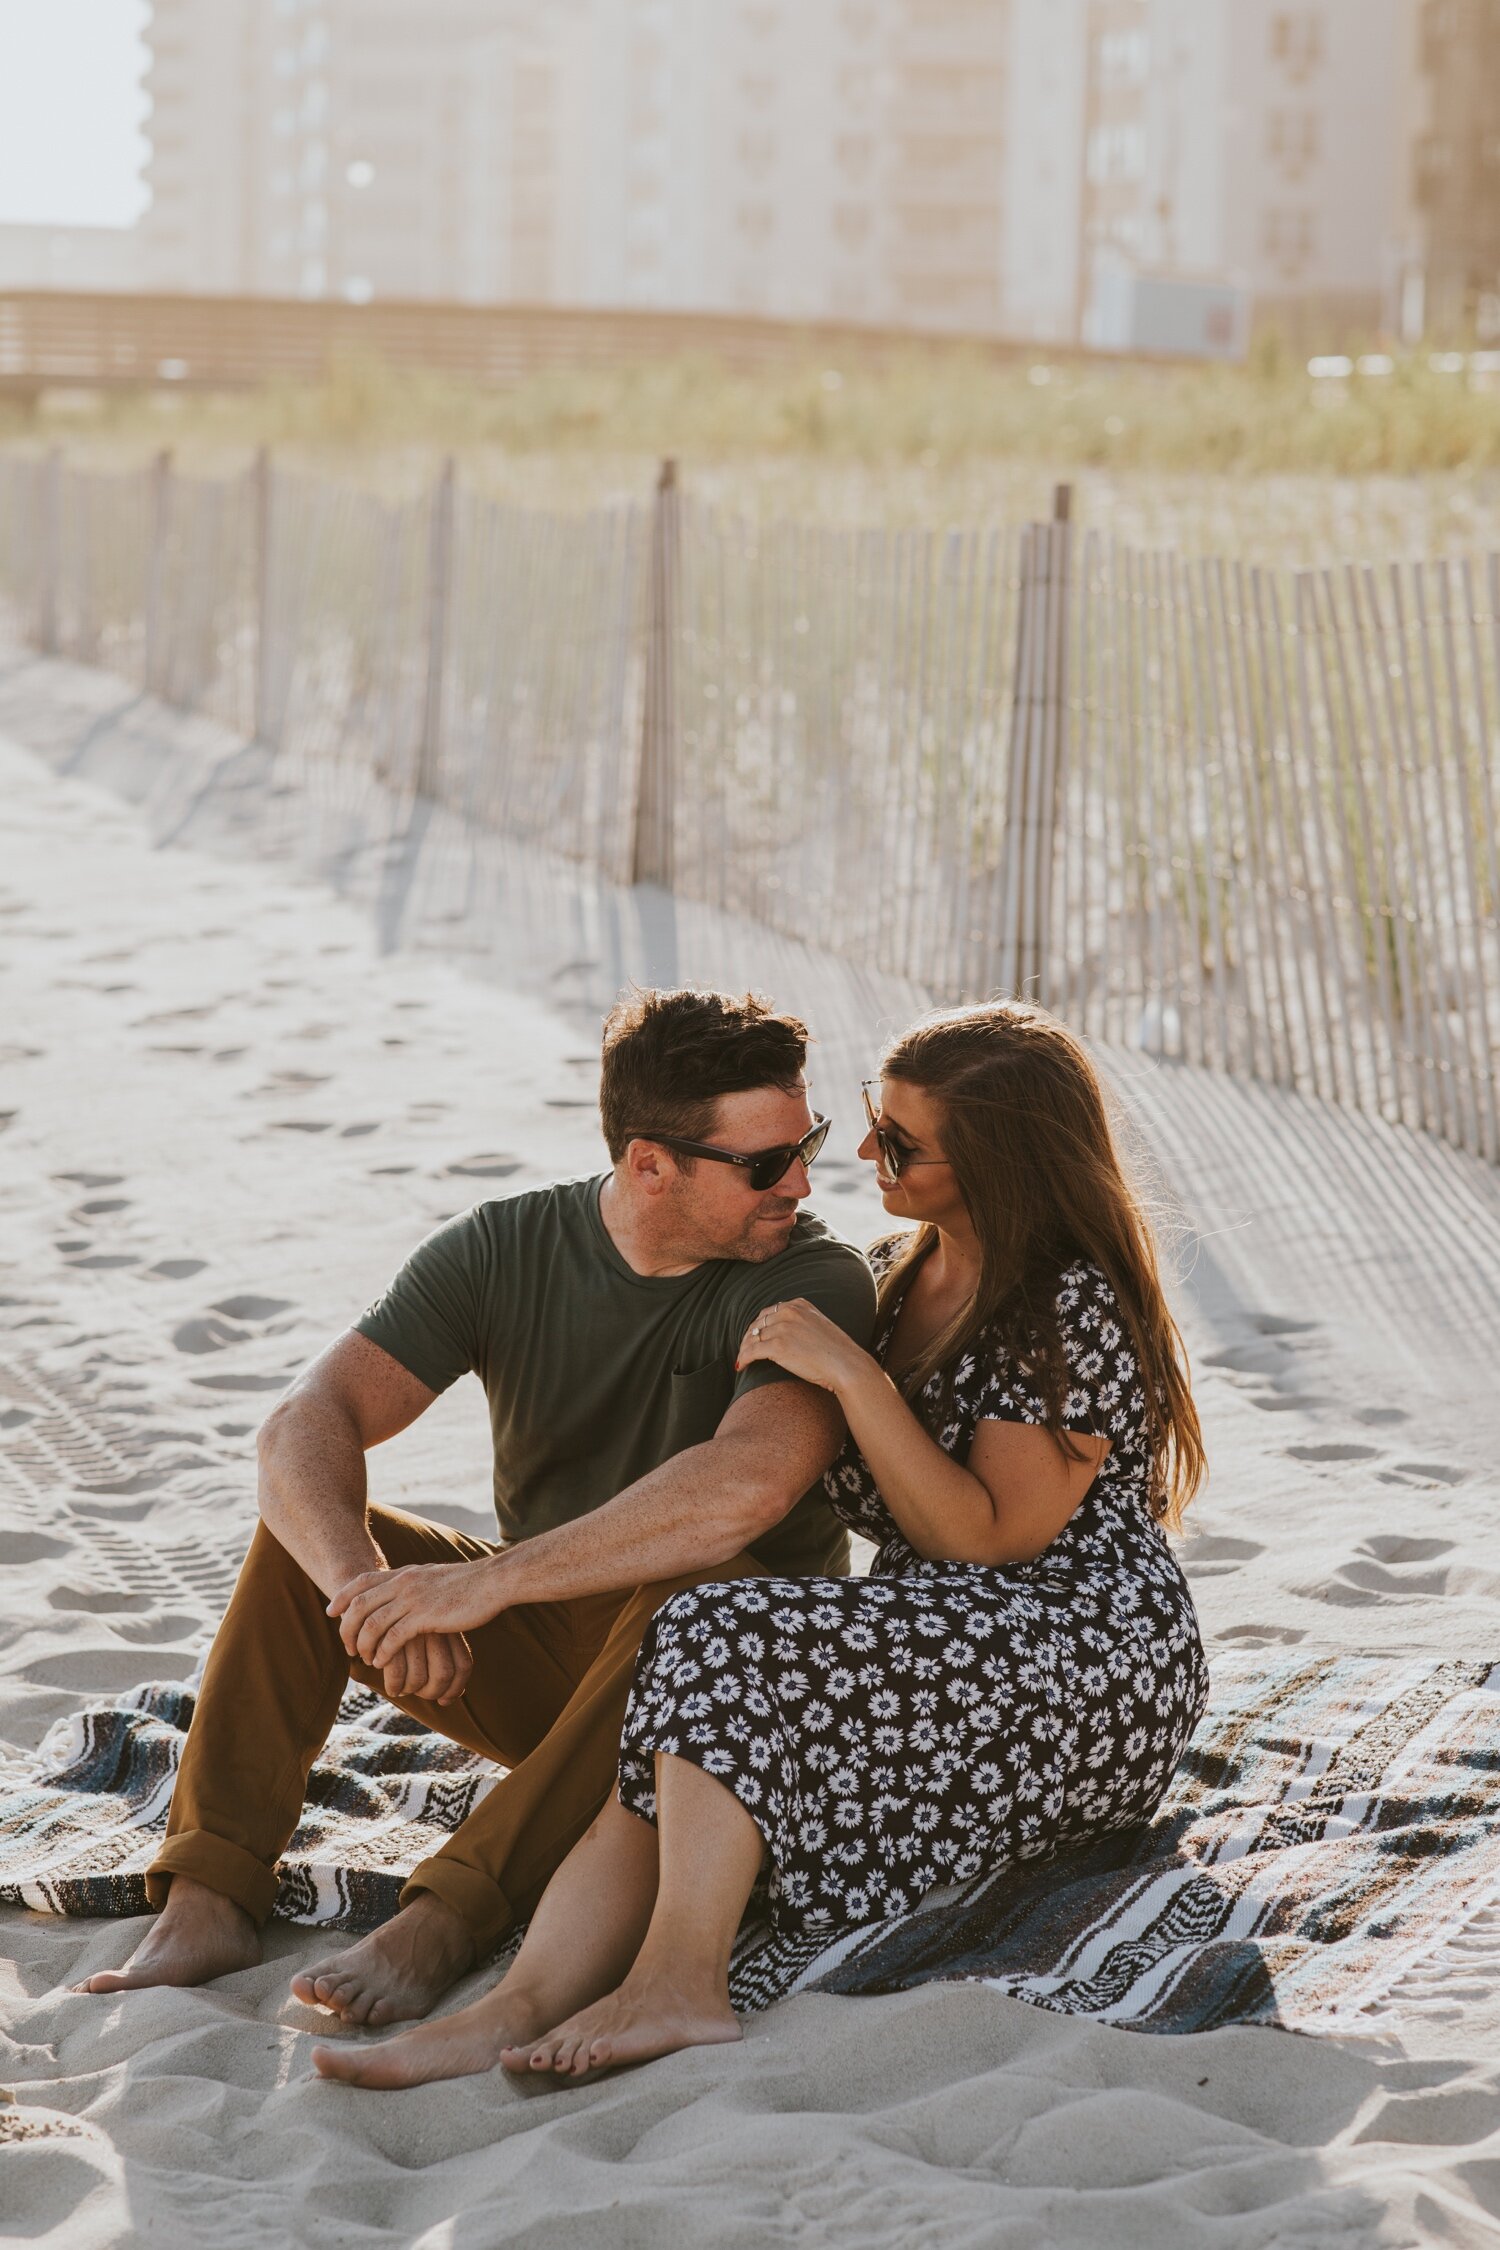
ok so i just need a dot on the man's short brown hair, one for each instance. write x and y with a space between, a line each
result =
669 1056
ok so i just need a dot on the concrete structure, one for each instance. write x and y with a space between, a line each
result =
41 257
335 147
1250 142
1456 170
992 166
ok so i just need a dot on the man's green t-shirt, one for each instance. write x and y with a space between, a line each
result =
596 1374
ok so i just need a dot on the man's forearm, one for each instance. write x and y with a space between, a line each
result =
313 1494
697 1510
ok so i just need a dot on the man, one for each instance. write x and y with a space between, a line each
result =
631 1459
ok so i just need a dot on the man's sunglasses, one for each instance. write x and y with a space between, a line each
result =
894 1155
764 1166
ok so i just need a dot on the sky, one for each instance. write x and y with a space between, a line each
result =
71 108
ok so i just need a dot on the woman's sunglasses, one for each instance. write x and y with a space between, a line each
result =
894 1155
764 1166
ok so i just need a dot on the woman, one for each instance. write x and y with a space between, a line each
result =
1022 1668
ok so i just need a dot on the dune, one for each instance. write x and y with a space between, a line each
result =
250 1049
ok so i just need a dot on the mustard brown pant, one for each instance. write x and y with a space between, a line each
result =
546 1699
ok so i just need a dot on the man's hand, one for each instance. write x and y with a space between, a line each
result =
384 1613
434 1667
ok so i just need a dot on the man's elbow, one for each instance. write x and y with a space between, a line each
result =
273 1443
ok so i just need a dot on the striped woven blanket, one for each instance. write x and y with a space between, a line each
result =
1333 1823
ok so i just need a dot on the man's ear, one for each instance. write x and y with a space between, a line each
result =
650 1167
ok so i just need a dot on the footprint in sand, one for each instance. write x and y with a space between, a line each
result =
99 1601
108 1671
484 1167
1267 1358
1210 1554
1332 1453
92 1179
1262 1636
246 1307
1424 1474
18 1547
1275 1324
178 1269
1381 1417
244 1319
208 1334
1372 1578
1287 1402
1395 1547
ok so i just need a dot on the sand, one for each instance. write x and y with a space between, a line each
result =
251 1046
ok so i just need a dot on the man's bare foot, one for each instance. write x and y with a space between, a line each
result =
398 1971
198 1935
648 2016
472 2039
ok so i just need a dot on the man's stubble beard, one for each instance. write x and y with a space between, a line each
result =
756 1249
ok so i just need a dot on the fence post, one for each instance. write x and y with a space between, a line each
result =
49 553
1038 730
260 492
154 667
439 601
651 846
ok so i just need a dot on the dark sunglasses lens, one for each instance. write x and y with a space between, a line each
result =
775 1164
893 1154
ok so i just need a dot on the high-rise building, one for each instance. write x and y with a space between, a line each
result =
1456 171
1250 142
399 148
991 166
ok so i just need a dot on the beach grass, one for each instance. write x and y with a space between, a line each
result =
1263 460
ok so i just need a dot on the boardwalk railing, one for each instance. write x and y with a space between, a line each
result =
1243 817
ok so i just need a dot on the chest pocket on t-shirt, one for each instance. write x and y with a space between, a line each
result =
699 1400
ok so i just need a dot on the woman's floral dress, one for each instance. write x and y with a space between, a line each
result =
936 1719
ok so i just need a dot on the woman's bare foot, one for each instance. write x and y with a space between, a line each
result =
399 1971
198 1935
648 2016
472 2039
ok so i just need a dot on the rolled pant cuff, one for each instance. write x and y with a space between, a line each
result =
224 1867
482 1904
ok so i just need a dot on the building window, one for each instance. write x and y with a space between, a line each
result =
1297 40
1289 239
756 222
756 152
855 153
758 89
1116 154
1123 58
1433 165
857 18
1294 139
851 225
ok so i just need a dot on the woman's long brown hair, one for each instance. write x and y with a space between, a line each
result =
1027 1131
